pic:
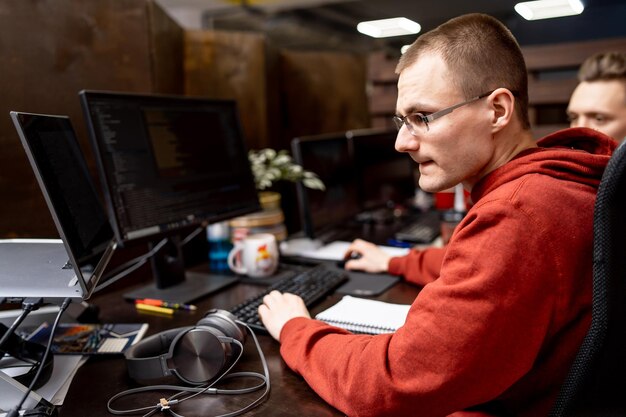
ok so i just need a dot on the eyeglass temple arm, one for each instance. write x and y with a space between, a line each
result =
443 112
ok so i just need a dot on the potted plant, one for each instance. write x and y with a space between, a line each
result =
269 166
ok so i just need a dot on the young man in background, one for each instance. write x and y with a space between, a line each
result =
599 100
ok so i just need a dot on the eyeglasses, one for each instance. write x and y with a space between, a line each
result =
418 122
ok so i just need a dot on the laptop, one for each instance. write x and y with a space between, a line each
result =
70 267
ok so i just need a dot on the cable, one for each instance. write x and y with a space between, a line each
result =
183 390
14 412
166 404
129 266
191 236
28 305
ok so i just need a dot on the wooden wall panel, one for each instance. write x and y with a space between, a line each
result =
382 88
52 49
322 92
231 65
568 55
552 77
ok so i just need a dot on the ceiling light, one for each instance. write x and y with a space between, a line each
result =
384 28
547 9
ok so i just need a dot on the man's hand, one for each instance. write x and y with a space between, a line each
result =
277 309
373 259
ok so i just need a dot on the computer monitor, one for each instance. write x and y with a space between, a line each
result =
166 163
386 177
330 157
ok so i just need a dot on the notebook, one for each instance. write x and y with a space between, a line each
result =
362 315
55 269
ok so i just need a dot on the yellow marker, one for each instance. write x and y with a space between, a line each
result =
154 309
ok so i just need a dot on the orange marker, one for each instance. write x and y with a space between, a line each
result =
154 309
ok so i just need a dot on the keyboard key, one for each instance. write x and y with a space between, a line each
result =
311 284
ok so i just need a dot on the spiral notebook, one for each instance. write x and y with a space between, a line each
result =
361 315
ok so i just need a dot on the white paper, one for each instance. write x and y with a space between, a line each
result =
335 251
365 316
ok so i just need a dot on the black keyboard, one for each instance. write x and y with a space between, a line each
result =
312 285
423 230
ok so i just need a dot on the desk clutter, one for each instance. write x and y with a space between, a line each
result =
71 345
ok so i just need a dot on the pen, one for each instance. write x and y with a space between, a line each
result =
161 303
154 309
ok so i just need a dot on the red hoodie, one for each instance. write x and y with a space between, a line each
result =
502 312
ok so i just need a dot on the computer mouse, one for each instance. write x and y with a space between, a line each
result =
352 255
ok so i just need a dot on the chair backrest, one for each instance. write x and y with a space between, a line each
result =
596 383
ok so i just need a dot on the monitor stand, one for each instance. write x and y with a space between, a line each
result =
175 285
196 285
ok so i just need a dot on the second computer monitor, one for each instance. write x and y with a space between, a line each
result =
168 162
362 172
330 157
386 177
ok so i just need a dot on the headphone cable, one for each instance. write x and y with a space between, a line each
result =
165 404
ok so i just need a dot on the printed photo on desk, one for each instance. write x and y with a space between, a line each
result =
90 339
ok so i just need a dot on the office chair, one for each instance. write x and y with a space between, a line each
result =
596 383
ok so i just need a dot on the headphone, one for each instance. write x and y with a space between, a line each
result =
195 354
30 352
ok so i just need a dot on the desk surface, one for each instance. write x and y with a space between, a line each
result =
101 378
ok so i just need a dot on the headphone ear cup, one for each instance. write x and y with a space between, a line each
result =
196 355
225 322
199 355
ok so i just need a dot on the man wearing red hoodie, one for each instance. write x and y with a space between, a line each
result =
505 306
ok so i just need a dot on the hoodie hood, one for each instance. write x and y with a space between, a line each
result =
575 154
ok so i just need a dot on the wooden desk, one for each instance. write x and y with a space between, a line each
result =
101 378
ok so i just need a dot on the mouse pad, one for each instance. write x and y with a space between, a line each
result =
362 283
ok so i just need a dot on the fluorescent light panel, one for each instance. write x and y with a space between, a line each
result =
547 9
384 28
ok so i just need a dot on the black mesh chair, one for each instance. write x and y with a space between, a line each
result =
596 384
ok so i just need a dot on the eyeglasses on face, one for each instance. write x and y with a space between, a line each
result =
418 122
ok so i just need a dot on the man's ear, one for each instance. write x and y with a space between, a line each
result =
502 103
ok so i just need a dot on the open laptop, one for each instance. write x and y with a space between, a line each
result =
71 267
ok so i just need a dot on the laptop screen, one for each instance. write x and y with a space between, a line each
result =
67 186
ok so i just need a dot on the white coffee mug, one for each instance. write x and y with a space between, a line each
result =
255 255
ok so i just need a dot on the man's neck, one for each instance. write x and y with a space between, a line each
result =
509 143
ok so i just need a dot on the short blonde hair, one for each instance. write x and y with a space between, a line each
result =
603 66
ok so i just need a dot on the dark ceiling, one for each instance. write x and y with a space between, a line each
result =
334 24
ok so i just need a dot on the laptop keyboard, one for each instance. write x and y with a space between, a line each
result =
311 284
